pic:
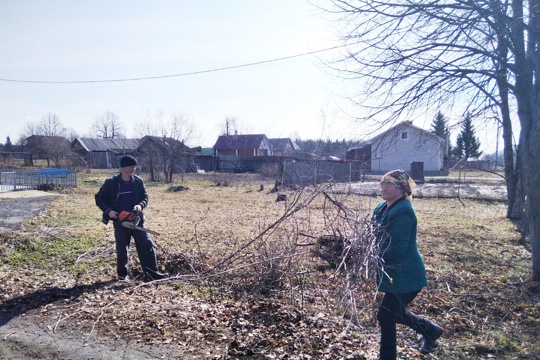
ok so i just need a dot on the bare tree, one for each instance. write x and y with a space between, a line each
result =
231 126
71 134
151 156
153 129
150 124
181 129
46 138
108 126
50 139
30 128
420 55
50 125
164 147
57 149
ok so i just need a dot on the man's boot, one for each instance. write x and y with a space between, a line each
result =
156 275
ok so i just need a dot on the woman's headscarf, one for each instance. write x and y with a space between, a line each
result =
400 179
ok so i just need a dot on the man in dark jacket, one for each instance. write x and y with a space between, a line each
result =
126 191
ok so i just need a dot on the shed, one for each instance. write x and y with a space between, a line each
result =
104 153
361 155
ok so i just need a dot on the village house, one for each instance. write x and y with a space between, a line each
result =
104 153
284 147
399 147
243 145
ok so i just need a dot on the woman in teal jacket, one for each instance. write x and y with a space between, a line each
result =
401 274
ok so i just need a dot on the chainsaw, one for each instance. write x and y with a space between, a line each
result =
131 219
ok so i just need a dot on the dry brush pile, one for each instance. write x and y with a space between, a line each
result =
255 278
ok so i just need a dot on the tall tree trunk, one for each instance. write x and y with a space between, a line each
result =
515 208
527 92
519 205
531 156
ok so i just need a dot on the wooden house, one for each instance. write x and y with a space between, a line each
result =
104 153
165 155
284 147
41 146
243 145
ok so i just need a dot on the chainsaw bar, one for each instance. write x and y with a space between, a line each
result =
130 225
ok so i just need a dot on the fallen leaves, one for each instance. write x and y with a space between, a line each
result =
273 304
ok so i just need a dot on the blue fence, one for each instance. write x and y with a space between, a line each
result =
45 177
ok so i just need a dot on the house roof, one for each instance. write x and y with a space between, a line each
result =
99 144
281 143
39 139
359 145
402 126
165 142
230 142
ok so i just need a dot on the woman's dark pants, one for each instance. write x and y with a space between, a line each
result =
393 310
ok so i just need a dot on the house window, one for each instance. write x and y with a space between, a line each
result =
404 135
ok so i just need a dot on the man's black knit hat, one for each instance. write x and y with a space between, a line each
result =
128 160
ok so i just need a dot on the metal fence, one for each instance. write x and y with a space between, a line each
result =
319 171
22 180
8 181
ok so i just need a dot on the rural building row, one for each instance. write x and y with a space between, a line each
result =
397 147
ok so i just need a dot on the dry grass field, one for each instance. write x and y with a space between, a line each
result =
245 284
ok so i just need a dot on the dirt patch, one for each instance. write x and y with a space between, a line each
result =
16 206
30 337
22 194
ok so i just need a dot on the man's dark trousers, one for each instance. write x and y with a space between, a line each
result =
143 244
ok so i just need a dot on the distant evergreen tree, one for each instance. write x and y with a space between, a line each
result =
8 145
439 125
467 144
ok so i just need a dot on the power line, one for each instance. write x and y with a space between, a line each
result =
174 75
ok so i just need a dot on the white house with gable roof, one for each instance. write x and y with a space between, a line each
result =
403 144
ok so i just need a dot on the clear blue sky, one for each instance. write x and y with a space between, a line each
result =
67 41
